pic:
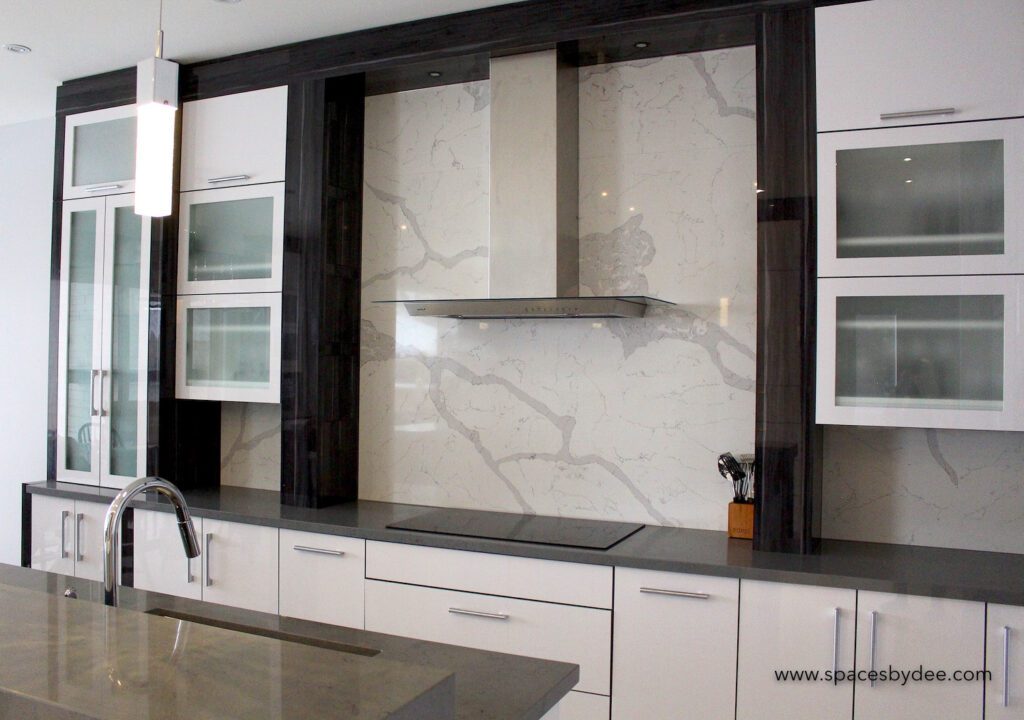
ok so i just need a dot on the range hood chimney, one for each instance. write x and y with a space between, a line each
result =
534 243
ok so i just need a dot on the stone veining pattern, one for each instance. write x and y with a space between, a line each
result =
945 488
618 419
250 445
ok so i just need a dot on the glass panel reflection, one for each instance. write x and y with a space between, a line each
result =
920 200
228 347
231 240
940 352
104 152
81 313
124 355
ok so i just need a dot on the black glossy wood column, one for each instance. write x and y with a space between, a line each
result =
787 440
320 303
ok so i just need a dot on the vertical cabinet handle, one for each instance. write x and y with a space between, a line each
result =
93 410
209 541
64 515
105 399
835 642
1006 666
79 555
871 647
189 577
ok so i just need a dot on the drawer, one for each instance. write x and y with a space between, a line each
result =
547 580
521 627
322 578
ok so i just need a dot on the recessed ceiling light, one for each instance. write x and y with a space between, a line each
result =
16 48
641 44
435 73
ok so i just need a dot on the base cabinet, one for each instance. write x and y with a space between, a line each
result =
240 565
67 536
1004 698
675 646
579 706
794 627
905 632
322 577
160 562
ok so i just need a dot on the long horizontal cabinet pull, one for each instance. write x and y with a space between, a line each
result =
101 188
228 178
478 613
675 593
916 113
319 551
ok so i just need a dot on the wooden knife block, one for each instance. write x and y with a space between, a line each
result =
741 520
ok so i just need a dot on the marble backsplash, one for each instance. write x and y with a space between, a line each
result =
947 488
250 445
618 419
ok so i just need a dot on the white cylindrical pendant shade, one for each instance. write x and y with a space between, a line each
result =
154 160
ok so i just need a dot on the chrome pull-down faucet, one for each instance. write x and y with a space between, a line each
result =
112 528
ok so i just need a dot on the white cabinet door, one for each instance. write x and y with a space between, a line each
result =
229 347
89 518
521 627
1004 698
887 57
907 633
794 627
322 577
234 139
929 200
160 562
932 352
231 240
580 706
240 565
53 534
99 153
675 646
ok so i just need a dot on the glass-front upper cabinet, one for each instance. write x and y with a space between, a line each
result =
99 153
935 352
103 342
229 347
231 240
929 200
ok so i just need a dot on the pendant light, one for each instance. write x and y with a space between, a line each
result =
157 102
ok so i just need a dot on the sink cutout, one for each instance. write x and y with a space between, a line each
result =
266 632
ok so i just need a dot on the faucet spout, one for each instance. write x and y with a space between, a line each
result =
112 528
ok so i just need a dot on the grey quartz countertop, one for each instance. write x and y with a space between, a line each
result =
80 658
913 570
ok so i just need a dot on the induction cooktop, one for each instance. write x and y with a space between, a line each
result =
538 529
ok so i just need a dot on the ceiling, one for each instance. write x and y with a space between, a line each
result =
76 38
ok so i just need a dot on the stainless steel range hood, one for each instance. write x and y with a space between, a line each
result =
534 194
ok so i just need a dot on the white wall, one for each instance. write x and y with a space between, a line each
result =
26 191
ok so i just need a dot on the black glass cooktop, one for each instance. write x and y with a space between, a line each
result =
539 529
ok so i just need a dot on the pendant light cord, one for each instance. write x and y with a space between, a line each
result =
159 52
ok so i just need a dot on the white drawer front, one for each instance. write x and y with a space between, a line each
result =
322 577
582 706
547 580
521 627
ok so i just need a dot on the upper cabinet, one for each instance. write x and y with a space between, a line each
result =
234 140
103 345
908 62
99 153
927 200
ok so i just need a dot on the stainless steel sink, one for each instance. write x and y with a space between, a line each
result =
266 632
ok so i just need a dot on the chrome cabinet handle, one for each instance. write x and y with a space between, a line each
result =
675 593
104 397
319 551
64 515
227 178
101 188
916 113
871 648
835 643
478 613
1006 666
209 541
189 577
93 410
79 555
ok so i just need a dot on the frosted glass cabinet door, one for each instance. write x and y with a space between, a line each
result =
125 344
78 349
99 153
229 347
941 352
933 200
231 240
